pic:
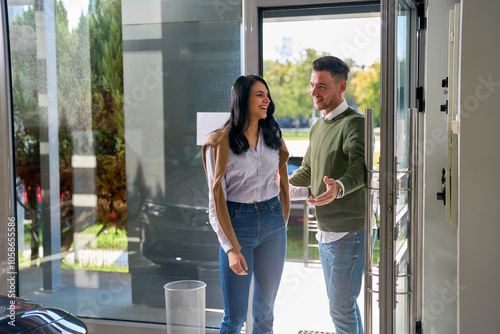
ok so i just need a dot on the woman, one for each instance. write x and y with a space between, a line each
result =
245 163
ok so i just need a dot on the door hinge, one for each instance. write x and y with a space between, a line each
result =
444 83
420 98
444 107
418 327
421 19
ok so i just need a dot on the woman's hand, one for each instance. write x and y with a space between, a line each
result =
237 262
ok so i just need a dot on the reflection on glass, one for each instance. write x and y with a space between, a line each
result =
112 194
403 87
403 221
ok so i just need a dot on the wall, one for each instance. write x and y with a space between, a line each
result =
440 240
479 219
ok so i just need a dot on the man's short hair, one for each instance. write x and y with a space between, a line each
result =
338 69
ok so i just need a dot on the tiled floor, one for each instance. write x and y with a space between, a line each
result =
301 305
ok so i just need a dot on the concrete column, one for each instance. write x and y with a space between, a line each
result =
49 143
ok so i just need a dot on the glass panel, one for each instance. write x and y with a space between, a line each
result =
402 288
290 45
402 221
403 87
112 192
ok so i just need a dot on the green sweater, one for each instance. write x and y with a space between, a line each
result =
337 150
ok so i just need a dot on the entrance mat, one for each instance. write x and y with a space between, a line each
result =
314 332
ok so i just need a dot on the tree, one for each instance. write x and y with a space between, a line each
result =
367 90
106 56
289 85
73 98
76 94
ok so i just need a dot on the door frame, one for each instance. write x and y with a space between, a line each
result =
252 29
7 184
388 164
251 57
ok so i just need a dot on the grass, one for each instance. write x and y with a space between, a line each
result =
302 134
86 266
295 243
376 252
111 238
27 233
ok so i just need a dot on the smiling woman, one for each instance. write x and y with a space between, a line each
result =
258 103
249 204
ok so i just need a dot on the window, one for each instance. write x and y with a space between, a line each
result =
111 193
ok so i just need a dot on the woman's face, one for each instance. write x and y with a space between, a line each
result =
258 102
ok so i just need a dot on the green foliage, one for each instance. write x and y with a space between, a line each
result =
26 121
90 98
106 57
295 243
86 266
367 90
112 238
106 52
289 86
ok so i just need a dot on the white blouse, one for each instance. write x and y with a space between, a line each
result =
250 177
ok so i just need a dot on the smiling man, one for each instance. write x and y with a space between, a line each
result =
334 169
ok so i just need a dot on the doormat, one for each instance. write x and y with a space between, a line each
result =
314 332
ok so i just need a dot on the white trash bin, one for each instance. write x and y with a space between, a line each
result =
185 306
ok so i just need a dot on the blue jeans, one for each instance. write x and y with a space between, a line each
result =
261 232
343 263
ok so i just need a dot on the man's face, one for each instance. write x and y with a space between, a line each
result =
326 94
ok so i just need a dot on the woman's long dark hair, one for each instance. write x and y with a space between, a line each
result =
240 96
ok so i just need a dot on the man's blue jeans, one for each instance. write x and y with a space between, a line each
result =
261 232
343 263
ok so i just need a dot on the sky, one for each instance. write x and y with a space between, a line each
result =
356 38
75 8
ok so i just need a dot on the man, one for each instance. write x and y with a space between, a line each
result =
334 168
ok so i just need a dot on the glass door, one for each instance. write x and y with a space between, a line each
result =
289 42
403 171
391 285
398 184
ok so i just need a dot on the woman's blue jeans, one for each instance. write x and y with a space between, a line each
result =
261 232
343 263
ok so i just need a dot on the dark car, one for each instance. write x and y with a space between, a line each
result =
176 237
176 228
19 315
